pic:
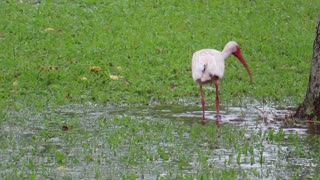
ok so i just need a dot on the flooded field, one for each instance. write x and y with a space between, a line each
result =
152 142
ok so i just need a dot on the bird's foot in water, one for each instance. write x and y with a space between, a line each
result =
218 120
204 122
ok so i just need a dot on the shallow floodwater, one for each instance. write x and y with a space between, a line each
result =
250 117
148 142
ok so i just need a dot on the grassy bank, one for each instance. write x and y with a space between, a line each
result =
150 44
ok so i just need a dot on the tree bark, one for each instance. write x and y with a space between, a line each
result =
310 107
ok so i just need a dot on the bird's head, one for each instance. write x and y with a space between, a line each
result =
236 51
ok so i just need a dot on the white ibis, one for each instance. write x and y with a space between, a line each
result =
208 67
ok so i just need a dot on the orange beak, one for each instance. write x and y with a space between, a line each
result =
241 59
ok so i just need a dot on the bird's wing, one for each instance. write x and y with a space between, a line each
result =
199 66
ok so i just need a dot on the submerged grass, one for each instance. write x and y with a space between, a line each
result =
67 52
102 145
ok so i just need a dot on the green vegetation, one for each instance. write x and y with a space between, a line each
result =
57 56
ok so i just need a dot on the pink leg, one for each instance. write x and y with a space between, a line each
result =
203 122
216 83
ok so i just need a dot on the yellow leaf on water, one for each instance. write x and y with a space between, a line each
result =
62 168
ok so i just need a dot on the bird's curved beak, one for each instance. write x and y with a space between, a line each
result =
241 59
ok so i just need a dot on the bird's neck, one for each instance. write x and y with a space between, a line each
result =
225 53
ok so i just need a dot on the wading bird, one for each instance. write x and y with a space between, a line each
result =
208 67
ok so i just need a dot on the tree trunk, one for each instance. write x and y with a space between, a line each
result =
310 107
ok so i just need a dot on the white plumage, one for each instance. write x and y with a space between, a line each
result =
208 66
207 63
